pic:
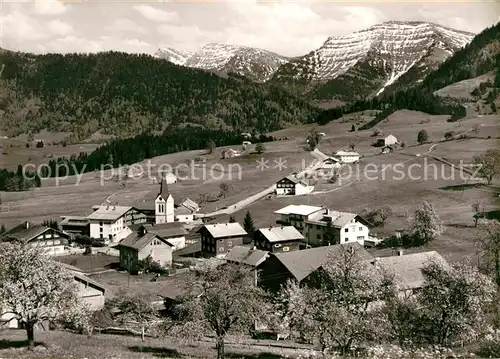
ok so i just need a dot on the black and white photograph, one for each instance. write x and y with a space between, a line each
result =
249 179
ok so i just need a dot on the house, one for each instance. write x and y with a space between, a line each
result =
230 153
174 233
344 227
75 225
295 215
91 291
291 185
407 268
347 156
217 239
142 244
298 265
186 210
110 223
387 141
51 241
246 256
278 239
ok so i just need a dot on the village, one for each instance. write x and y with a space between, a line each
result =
150 245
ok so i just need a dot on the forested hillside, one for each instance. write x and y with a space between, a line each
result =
480 56
128 94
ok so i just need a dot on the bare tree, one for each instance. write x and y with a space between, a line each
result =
478 208
34 289
224 189
384 213
425 223
220 301
489 164
134 312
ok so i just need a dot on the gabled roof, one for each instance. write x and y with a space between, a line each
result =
331 158
301 209
74 220
303 262
245 255
407 268
27 231
190 204
166 230
80 277
281 234
109 213
163 188
138 242
221 230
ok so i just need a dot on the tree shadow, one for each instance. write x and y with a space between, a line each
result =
156 351
15 344
460 225
405 241
253 356
462 187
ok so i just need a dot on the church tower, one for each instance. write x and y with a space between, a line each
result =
164 204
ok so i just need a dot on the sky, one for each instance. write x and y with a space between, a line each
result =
290 28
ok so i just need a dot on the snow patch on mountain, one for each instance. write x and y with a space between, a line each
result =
178 57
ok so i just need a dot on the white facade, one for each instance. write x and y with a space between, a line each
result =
390 140
354 231
178 242
164 209
50 244
184 218
347 157
109 230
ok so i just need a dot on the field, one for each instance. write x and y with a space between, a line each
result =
376 181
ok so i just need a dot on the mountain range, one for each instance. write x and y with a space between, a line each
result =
355 66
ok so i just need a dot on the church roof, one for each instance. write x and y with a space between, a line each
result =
163 188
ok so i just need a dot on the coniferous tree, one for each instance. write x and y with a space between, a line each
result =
248 224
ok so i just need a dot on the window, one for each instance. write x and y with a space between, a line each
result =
318 236
230 243
346 239
101 236
221 249
361 238
286 249
360 228
318 227
346 230
277 245
100 223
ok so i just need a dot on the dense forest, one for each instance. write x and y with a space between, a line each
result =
18 181
128 94
480 56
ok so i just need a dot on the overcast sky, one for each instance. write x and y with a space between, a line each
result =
286 27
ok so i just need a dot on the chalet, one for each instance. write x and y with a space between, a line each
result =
140 245
347 156
246 256
387 141
174 233
217 239
291 185
186 211
51 241
345 228
295 215
278 239
330 163
75 225
111 223
298 265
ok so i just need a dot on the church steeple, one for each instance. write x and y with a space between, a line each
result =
163 188
164 204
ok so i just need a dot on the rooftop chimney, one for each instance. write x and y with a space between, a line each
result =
270 227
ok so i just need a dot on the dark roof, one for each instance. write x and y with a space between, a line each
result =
245 255
188 250
163 188
79 276
27 231
138 242
166 230
303 262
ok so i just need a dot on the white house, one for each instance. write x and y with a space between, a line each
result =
347 156
164 205
174 233
291 185
346 227
390 140
312 222
186 210
108 223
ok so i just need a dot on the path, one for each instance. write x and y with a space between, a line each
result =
254 198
